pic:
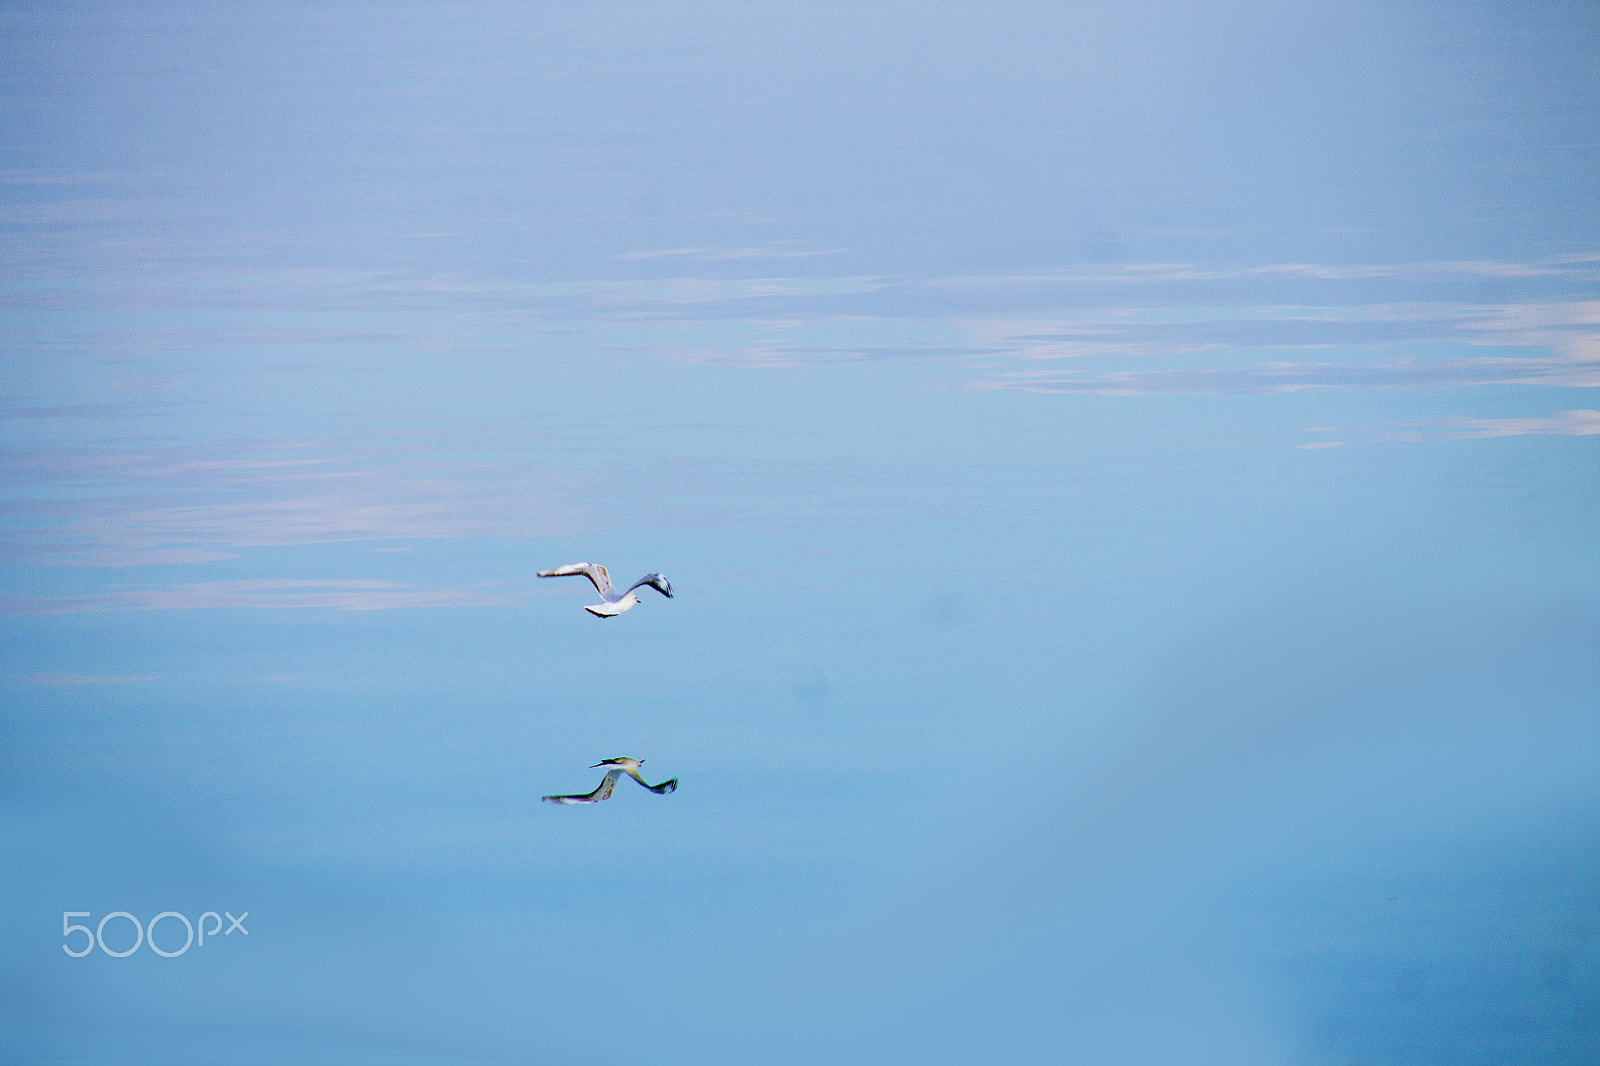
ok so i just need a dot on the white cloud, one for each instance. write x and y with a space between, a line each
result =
1559 339
175 504
338 594
79 679
1156 273
766 252
1293 377
156 557
1581 423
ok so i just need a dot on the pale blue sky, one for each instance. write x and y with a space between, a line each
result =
1129 475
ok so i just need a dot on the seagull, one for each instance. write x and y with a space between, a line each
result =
616 768
625 765
615 602
601 793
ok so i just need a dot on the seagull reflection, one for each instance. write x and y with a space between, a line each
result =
601 793
631 768
617 767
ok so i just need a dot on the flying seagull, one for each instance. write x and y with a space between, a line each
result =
615 602
616 768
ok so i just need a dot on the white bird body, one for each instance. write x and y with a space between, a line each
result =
615 602
609 610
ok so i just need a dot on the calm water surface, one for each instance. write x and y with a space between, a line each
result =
1130 480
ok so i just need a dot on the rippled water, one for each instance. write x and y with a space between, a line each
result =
1128 477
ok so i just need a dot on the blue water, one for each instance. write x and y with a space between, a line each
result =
1129 479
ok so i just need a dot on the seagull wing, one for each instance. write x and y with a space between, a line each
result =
596 574
658 582
661 789
603 792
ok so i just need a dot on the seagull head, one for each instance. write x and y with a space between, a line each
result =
621 762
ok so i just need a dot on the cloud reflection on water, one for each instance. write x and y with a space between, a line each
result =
952 361
110 507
